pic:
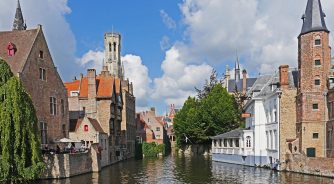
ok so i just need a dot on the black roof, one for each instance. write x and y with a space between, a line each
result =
232 85
314 18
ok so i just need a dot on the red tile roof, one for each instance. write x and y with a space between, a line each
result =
104 86
23 40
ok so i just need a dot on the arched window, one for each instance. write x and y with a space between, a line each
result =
109 47
86 128
317 41
114 46
248 142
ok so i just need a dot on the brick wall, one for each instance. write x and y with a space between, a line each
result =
315 166
287 114
312 120
41 90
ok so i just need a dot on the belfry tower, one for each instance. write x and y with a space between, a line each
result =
314 60
112 54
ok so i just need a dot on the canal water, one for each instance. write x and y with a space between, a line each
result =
187 170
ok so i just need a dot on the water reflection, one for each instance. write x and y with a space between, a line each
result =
187 170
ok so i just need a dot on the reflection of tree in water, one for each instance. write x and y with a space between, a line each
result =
193 169
188 170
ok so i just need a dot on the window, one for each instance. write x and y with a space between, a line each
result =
74 93
317 41
248 142
317 62
267 134
41 54
225 143
44 135
276 142
315 106
317 82
109 47
158 129
237 143
114 46
53 106
62 107
315 136
42 74
86 128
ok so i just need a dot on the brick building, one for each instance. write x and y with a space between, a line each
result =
150 128
98 97
28 55
314 63
113 64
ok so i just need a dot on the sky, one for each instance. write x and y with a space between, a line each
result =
168 46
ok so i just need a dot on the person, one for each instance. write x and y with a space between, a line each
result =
58 150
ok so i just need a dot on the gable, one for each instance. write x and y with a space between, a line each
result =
23 41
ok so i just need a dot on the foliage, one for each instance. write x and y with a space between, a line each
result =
199 119
20 147
138 151
208 86
153 149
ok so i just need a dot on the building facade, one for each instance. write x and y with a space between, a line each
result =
27 53
314 63
99 97
259 144
150 128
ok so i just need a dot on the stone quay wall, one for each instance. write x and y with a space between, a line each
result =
307 165
68 165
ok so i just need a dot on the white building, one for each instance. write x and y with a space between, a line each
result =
258 143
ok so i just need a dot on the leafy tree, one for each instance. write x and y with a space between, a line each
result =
208 86
214 114
20 152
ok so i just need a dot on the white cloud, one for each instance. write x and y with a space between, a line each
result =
264 32
164 43
92 59
137 73
50 14
178 79
167 20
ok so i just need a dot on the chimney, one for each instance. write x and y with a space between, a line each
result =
153 109
244 81
91 75
284 76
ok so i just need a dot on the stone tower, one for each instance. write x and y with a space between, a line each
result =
112 58
19 23
314 55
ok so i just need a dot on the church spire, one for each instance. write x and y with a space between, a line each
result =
237 70
19 23
314 17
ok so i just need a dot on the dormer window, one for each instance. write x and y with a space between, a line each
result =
317 41
11 49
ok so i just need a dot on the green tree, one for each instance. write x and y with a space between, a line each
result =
214 114
21 159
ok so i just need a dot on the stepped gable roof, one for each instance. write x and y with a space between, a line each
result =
104 86
232 134
232 84
314 18
23 42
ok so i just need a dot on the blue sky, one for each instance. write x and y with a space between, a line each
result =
168 46
139 22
